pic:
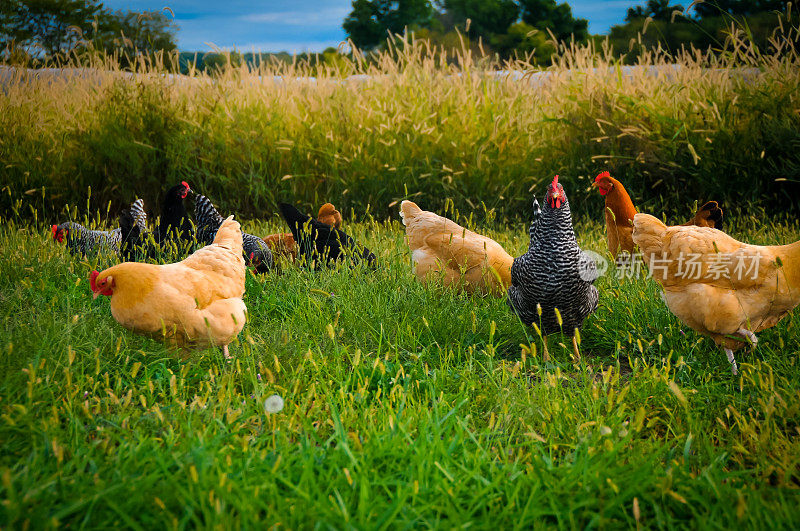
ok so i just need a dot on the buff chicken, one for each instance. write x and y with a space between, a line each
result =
442 248
195 302
718 286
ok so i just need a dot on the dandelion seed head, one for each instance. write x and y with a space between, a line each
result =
273 404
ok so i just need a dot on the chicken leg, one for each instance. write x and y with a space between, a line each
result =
734 367
751 337
226 353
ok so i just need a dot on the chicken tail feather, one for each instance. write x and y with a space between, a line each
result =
294 218
711 212
408 211
230 235
648 233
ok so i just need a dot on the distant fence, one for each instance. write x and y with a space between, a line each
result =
9 74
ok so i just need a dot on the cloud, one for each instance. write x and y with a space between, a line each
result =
329 16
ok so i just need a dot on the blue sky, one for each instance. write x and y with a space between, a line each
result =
299 25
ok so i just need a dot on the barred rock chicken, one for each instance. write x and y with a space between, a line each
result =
321 244
442 248
195 302
257 253
720 287
555 272
82 241
619 214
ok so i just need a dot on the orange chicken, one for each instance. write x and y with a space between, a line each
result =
443 248
329 215
284 244
619 214
195 302
708 215
718 286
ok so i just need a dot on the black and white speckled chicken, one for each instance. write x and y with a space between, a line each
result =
256 251
555 272
82 241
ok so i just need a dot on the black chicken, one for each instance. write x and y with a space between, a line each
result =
174 230
320 244
555 272
174 238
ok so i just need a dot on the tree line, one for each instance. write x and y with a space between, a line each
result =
531 29
47 31
39 31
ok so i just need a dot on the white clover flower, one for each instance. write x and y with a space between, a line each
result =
273 404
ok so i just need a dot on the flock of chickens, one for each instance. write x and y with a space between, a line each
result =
198 300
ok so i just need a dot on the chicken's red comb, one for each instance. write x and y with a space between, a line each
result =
602 175
93 279
555 181
186 185
54 229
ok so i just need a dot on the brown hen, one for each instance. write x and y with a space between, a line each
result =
619 214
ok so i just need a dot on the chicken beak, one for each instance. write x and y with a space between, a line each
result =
95 294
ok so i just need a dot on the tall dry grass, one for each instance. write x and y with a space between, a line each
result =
414 121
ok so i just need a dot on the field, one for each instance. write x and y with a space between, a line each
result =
405 405
413 122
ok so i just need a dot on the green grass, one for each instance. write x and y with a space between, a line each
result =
406 406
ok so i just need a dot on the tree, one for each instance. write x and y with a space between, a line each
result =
47 27
715 8
218 62
371 21
546 14
655 9
711 29
133 32
487 17
523 41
